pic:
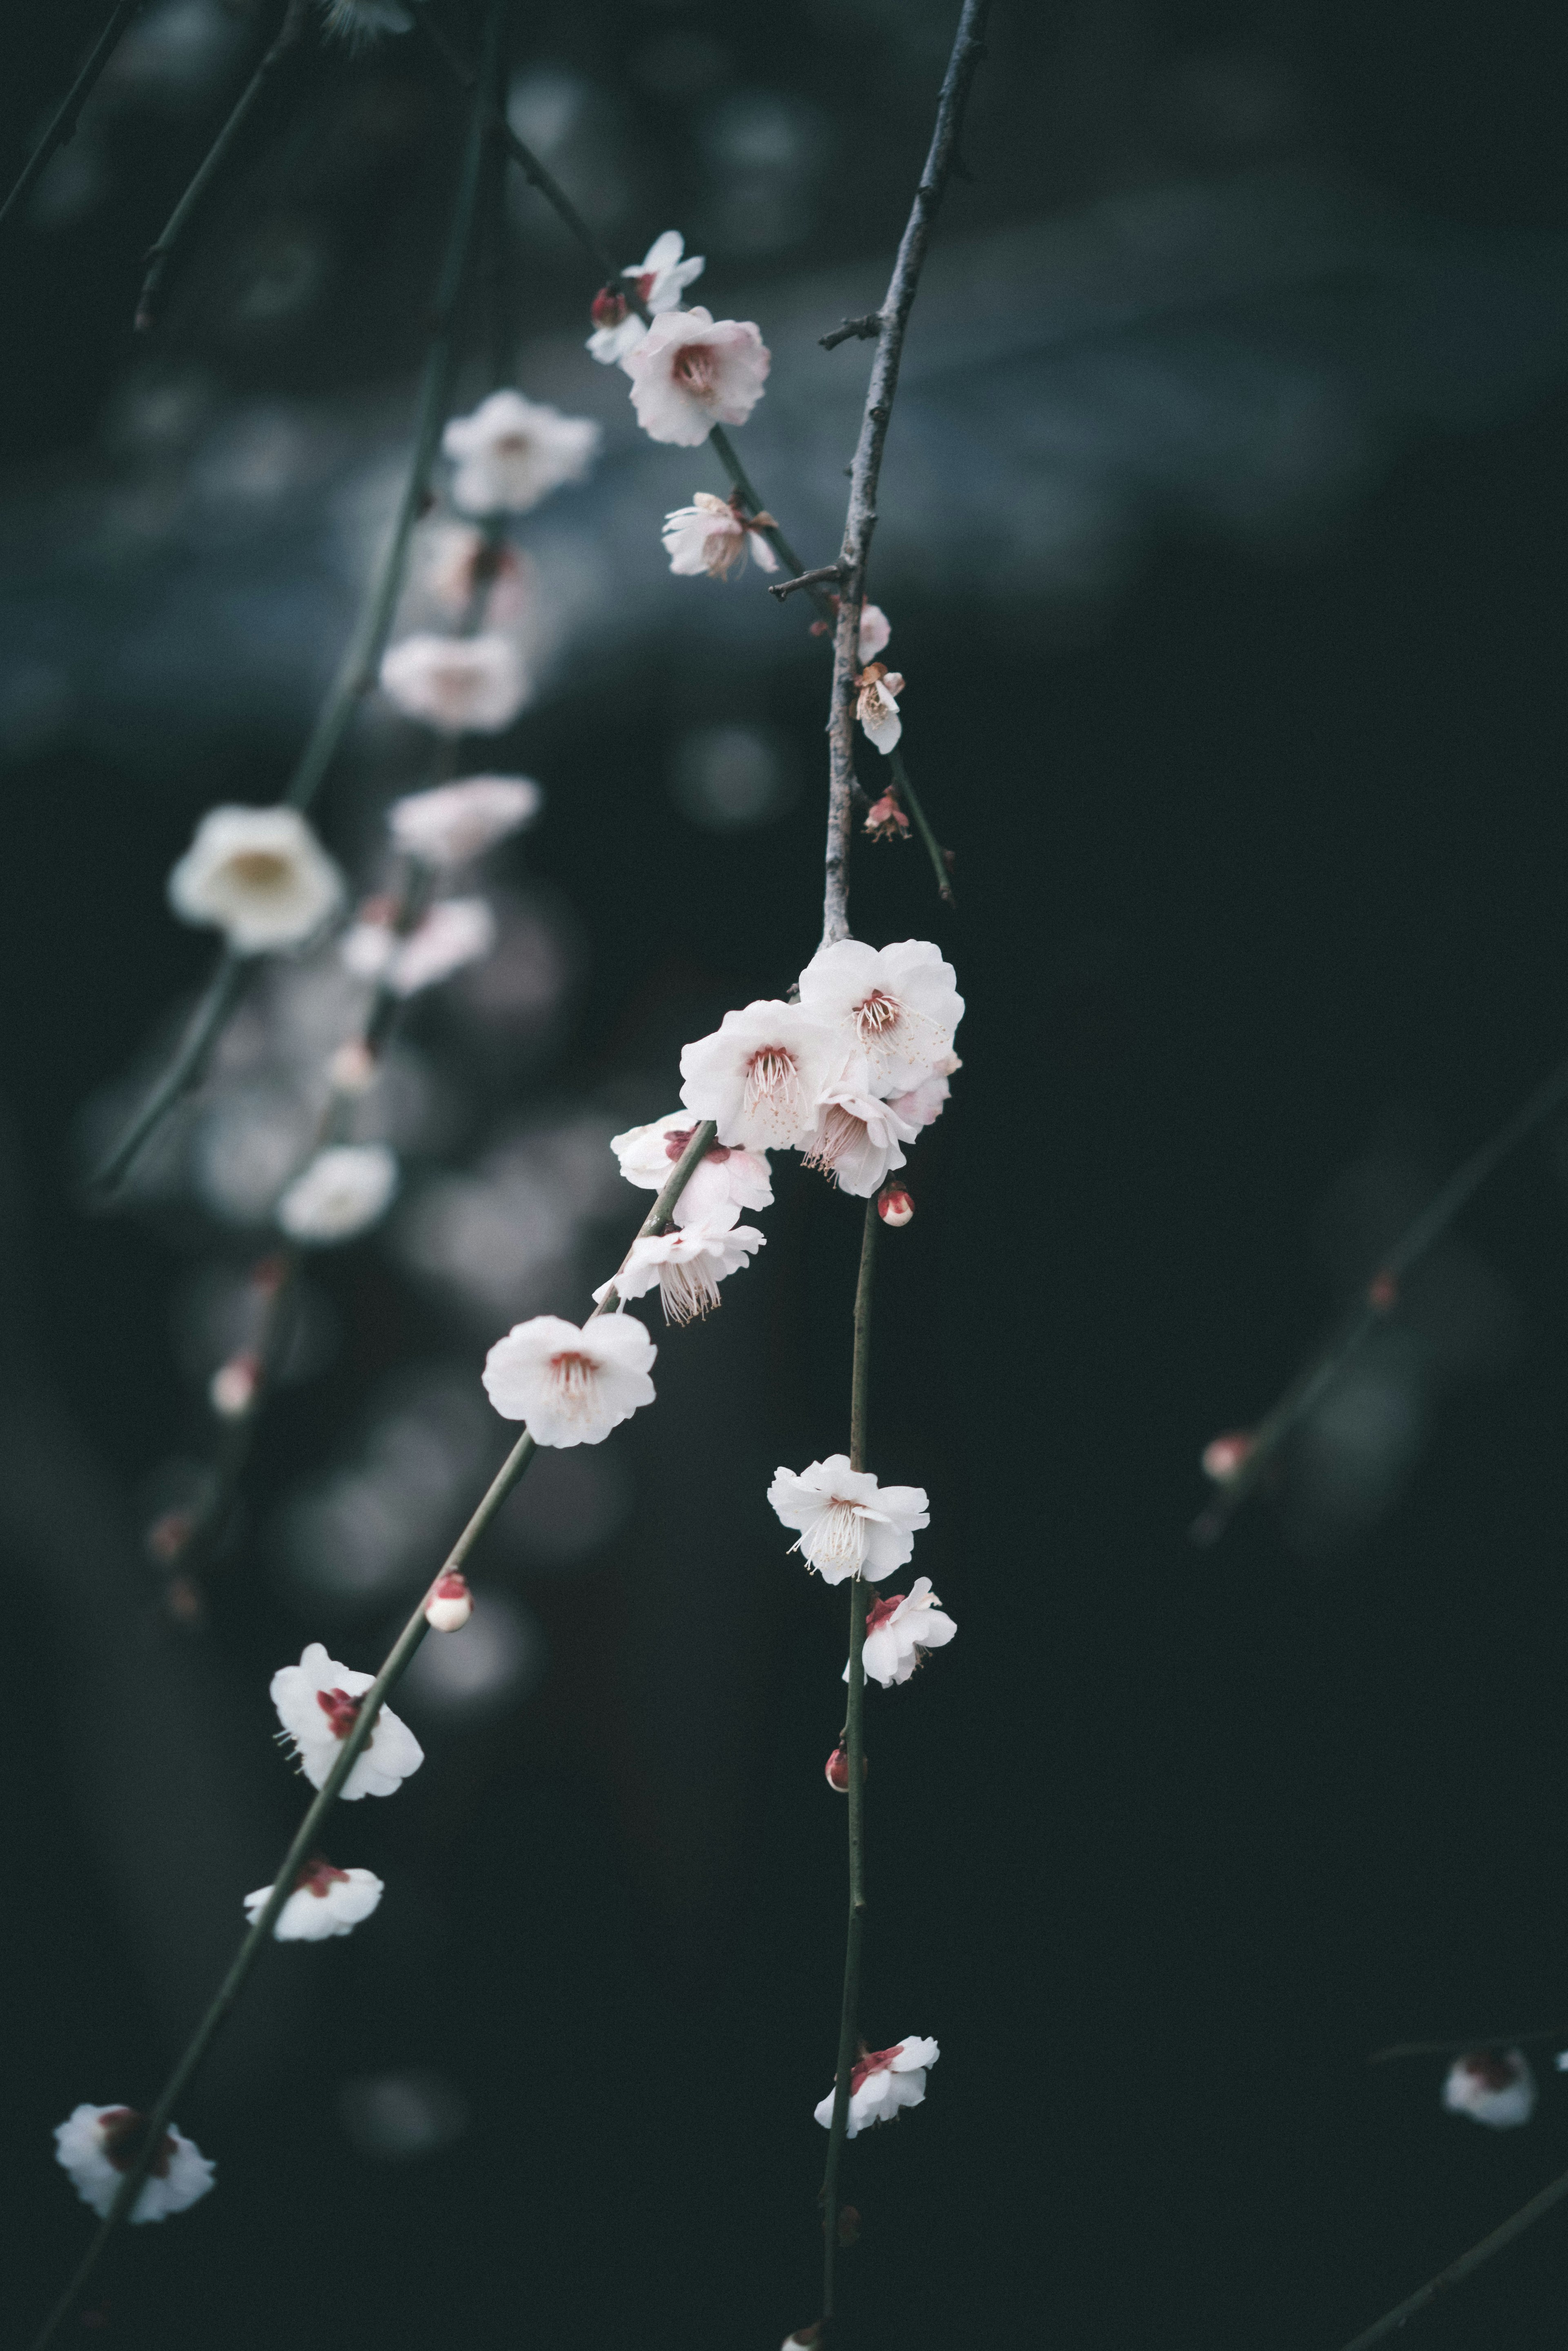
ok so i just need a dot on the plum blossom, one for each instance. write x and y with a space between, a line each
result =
512 452
325 1902
849 1525
760 1074
896 1004
922 1104
712 535
456 684
857 1138
880 2082
258 874
455 931
318 1705
899 1632
724 1181
455 822
660 279
876 705
691 372
1495 2086
874 632
885 819
344 1190
571 1387
96 2146
687 1263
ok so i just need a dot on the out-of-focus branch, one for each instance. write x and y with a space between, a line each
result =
1378 1300
1463 2048
968 47
63 127
1467 2264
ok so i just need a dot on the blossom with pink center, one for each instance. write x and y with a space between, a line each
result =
880 2082
512 452
857 1137
687 1263
455 931
658 281
899 1630
1495 2086
317 1703
325 1902
96 2146
724 1181
876 705
456 684
342 1192
571 1387
896 1004
712 535
691 372
849 1525
456 822
761 1074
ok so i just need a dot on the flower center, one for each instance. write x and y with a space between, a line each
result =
260 869
123 2132
512 444
772 1078
879 1011
873 2060
877 1614
1492 2072
839 1133
574 1377
696 370
838 1539
340 1710
609 309
645 285
687 1289
318 1877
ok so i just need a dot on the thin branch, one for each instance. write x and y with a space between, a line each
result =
782 588
1464 2048
867 330
291 36
306 1836
932 847
1378 1301
63 127
854 1756
1456 2272
221 996
865 473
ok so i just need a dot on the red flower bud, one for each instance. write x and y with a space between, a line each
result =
608 308
836 1771
1224 1455
1383 1292
894 1205
450 1604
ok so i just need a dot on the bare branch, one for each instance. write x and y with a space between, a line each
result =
63 127
782 588
867 330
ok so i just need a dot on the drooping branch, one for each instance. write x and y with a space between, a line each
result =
860 522
62 128
1377 1301
1466 2266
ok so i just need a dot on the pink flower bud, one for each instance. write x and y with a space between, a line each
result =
1223 1455
836 1771
449 1605
168 1535
232 1387
608 308
894 1205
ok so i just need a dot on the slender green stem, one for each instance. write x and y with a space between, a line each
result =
291 36
1376 1302
855 1759
63 126
1456 2272
190 1059
933 846
306 1837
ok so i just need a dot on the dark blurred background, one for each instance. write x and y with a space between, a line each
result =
1223 542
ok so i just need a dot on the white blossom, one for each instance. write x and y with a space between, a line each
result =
761 1073
1495 2086
258 875
876 706
455 931
96 2146
344 1190
691 372
874 632
687 1263
571 1387
457 685
857 1137
922 1103
724 1181
660 279
455 822
512 452
712 536
880 2082
359 21
896 1004
318 1705
899 1630
325 1902
849 1525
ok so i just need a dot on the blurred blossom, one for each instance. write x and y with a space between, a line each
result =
461 820
340 1194
544 107
457 931
568 1506
731 779
456 684
395 2116
248 1142
1495 2086
495 1660
259 875
512 452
